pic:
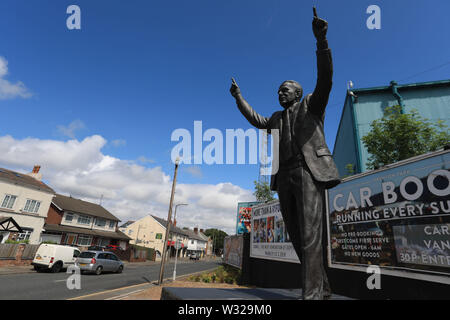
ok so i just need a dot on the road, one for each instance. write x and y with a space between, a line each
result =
52 286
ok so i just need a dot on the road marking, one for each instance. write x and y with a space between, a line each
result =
137 285
60 280
124 295
107 291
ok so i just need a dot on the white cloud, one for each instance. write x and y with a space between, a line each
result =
69 131
195 171
118 142
144 159
130 191
10 90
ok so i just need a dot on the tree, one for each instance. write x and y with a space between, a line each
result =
263 192
398 136
218 236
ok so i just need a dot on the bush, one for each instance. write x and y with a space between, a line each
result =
223 274
17 241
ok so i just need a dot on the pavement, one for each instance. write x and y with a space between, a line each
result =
174 293
16 269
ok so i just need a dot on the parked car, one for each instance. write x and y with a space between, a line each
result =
113 247
98 262
96 248
194 256
54 257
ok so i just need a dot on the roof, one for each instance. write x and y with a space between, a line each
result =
197 236
404 86
172 228
9 224
79 206
105 234
126 224
24 180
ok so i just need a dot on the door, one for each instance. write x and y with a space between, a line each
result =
114 262
104 261
71 239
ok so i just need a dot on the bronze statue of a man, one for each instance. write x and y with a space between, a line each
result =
306 167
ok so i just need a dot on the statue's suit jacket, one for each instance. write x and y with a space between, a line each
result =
308 124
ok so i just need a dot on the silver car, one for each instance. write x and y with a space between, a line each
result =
98 262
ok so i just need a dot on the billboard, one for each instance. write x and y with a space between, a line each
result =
397 218
269 238
244 216
233 250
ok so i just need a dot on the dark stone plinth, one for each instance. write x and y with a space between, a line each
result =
174 293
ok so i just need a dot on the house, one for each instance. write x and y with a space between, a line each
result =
7 225
73 221
150 232
125 225
363 106
26 199
197 242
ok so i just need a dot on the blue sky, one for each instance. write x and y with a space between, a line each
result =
137 70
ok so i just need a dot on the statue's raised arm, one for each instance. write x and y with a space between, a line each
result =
251 115
319 98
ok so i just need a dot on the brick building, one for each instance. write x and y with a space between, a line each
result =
72 221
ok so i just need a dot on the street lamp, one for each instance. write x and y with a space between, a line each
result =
176 240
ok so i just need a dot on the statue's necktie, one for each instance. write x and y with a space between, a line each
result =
286 139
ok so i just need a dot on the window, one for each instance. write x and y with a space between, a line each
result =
100 222
8 201
103 242
25 235
84 240
101 256
112 224
87 255
112 257
76 253
68 217
130 232
32 206
84 220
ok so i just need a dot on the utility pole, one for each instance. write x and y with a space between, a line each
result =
213 244
169 216
176 241
137 236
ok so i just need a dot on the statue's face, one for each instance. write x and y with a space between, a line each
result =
287 94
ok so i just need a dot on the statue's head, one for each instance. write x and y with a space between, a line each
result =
289 92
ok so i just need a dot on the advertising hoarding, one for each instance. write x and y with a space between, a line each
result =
397 218
244 216
233 250
269 238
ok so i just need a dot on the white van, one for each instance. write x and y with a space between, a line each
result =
54 257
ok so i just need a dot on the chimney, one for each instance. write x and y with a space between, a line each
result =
196 230
201 230
175 222
35 173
